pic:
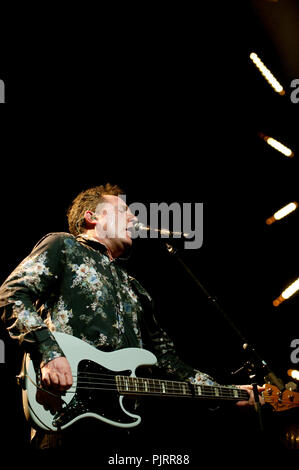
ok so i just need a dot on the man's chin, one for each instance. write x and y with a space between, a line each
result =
127 241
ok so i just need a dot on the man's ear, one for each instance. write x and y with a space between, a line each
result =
90 218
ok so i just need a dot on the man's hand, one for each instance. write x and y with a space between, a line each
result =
57 374
251 400
56 377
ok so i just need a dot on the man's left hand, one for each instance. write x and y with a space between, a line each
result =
251 400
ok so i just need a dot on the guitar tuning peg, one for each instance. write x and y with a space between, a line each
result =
291 386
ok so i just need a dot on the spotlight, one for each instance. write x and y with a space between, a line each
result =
267 74
287 293
283 212
277 145
294 374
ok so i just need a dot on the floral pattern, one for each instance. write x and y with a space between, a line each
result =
68 284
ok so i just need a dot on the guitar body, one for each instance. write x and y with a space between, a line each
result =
87 397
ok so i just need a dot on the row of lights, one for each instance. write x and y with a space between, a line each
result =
267 74
292 206
278 88
294 286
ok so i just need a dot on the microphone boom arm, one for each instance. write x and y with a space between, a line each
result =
270 376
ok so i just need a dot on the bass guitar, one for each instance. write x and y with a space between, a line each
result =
101 381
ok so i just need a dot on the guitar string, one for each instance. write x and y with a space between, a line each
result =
176 387
268 398
152 383
158 392
157 389
153 390
189 394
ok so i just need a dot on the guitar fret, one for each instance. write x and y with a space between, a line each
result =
126 383
136 385
184 387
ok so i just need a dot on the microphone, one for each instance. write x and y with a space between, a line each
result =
138 226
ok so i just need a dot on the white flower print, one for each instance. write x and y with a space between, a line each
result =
26 319
60 317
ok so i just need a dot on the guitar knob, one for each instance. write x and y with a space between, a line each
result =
291 386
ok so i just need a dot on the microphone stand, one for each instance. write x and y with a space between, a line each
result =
269 376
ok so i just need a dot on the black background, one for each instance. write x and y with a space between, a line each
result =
167 104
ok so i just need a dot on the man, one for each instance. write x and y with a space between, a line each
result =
75 283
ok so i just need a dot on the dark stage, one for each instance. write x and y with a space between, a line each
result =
170 107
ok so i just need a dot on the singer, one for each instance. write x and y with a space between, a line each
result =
75 283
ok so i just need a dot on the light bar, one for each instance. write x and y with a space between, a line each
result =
280 147
294 374
287 293
277 145
283 212
267 74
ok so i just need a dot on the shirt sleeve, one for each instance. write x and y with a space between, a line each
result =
29 285
169 360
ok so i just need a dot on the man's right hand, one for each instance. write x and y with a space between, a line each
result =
56 376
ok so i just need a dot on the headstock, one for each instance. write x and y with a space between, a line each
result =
280 400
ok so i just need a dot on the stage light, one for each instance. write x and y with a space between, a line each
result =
294 287
280 147
287 293
294 374
283 212
267 74
277 145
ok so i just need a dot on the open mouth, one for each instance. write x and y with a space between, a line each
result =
130 229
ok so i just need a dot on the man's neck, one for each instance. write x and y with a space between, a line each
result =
91 235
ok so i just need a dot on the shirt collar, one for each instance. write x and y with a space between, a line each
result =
98 246
92 242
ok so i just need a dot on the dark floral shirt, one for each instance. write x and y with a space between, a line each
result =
69 284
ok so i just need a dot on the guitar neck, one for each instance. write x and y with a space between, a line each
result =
168 388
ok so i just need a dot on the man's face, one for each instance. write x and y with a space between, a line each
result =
114 220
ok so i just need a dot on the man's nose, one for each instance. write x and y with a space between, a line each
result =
131 217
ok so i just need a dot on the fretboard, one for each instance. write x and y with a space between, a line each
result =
154 387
